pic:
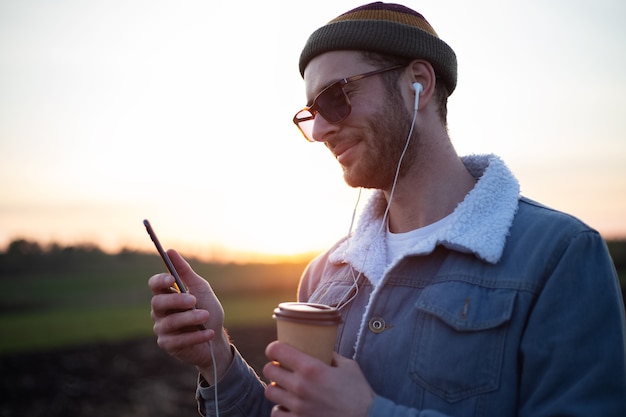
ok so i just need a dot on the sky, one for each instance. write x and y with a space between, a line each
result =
180 112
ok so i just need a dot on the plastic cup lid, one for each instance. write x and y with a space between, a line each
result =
311 313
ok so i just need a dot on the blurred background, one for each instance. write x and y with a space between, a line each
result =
180 112
111 112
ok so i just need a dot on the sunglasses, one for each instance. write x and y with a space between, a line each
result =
332 103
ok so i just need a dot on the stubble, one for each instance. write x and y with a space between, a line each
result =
386 138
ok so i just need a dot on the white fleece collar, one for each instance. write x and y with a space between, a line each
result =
480 223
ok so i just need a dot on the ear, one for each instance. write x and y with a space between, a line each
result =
420 71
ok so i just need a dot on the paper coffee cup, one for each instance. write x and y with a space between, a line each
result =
310 328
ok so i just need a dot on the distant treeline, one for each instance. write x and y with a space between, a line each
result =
30 256
24 255
30 260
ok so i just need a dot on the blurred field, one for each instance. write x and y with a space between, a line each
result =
77 336
60 298
66 296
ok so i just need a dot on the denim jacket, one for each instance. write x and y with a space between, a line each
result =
511 309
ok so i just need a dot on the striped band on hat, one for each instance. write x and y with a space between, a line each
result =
384 28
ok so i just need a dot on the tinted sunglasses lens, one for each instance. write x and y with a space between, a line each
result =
333 104
305 119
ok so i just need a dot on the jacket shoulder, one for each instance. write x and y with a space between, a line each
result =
536 216
541 238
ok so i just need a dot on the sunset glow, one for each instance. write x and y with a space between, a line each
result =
112 112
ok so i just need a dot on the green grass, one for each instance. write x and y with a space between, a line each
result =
253 311
60 328
109 300
106 298
32 331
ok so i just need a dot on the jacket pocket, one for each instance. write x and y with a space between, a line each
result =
460 339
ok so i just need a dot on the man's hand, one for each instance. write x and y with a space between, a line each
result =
178 325
315 389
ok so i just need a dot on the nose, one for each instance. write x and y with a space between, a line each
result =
322 129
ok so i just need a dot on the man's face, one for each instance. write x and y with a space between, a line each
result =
369 142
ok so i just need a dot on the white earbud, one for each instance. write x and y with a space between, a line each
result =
418 89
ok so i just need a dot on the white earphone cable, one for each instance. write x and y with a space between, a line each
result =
354 288
217 408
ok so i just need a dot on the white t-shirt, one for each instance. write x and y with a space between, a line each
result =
399 243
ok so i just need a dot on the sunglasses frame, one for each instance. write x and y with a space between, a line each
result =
314 108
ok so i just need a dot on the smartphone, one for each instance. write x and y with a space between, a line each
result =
180 287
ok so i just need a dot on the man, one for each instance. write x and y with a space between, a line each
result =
458 296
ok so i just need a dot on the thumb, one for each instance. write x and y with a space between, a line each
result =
187 274
339 361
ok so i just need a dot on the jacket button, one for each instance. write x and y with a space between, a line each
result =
376 325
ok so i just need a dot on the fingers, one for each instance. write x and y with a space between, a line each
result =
289 389
291 373
291 358
160 283
177 342
286 401
173 313
176 324
171 316
340 361
177 336
167 302
279 375
185 322
314 388
280 411
201 296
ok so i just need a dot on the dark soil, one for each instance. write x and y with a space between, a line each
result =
133 378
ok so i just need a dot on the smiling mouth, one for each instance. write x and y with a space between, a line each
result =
343 150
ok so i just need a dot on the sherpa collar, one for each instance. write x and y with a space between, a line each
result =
479 224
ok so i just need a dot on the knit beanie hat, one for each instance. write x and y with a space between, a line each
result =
384 28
